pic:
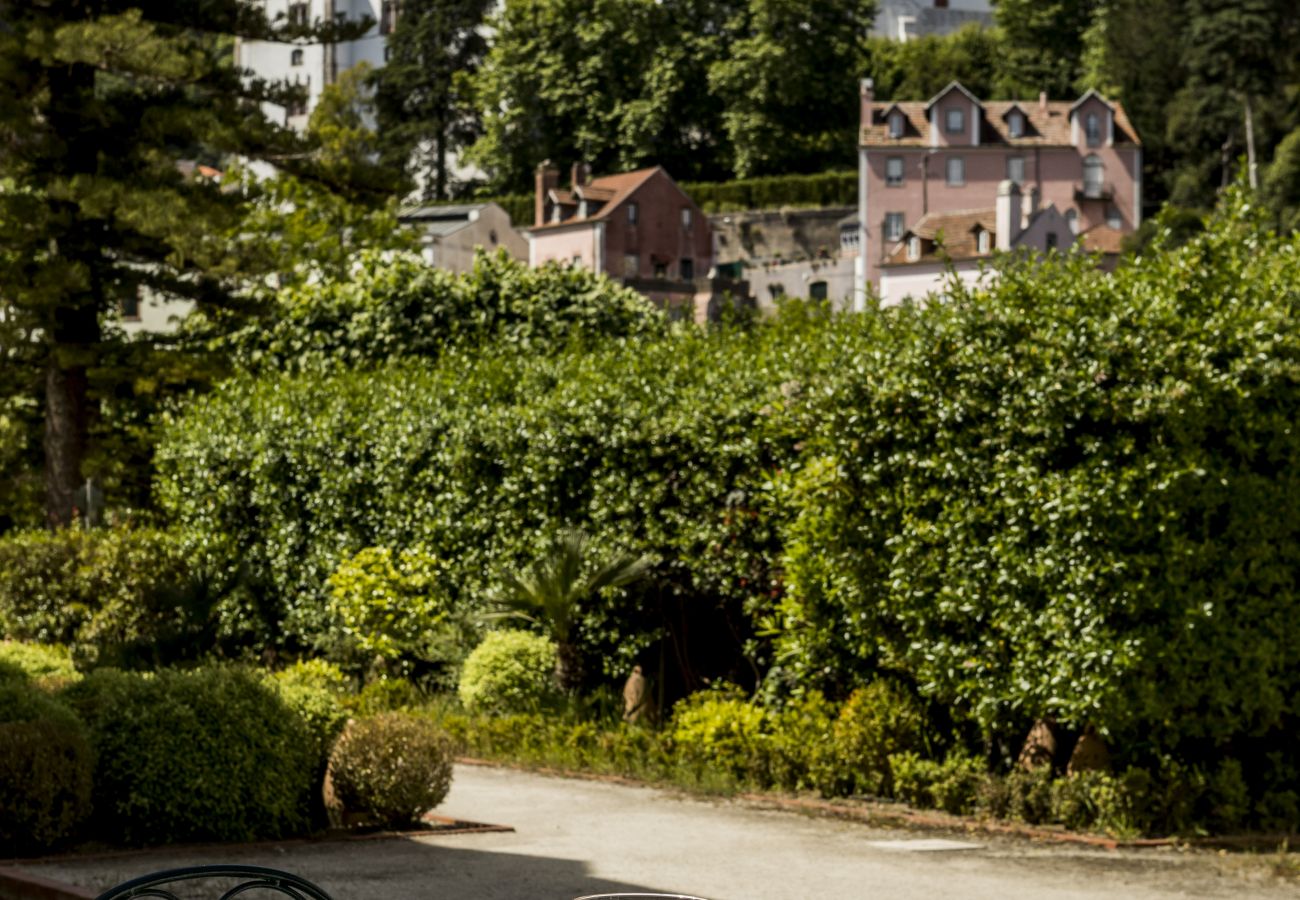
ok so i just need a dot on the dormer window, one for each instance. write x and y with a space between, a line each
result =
1016 124
556 213
954 121
982 241
896 124
1092 128
913 248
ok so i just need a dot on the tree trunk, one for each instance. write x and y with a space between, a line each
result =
1251 168
568 667
68 410
441 175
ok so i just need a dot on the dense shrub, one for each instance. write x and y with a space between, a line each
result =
722 732
951 785
48 665
396 606
208 754
667 446
392 766
399 306
120 594
316 692
1071 496
509 672
875 723
45 769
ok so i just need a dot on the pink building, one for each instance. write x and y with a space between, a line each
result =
922 160
638 227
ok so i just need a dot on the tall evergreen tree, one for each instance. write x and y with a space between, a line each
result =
1044 44
423 94
105 108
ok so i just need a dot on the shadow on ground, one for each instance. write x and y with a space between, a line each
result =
389 869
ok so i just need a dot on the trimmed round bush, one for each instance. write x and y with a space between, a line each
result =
510 671
210 754
45 769
392 766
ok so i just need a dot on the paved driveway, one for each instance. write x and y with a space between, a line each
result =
580 837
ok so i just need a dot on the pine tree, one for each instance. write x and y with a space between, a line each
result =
110 113
423 96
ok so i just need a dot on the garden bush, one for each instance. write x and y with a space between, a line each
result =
721 732
509 672
317 692
951 785
875 723
120 595
49 666
45 770
207 754
395 606
393 766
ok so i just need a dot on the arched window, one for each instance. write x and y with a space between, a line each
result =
1016 124
1094 172
295 58
896 124
982 241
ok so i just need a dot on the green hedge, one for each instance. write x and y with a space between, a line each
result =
208 754
771 192
774 192
118 595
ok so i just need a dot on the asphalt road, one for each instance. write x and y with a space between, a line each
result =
574 838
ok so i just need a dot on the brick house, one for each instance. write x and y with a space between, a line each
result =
637 227
950 154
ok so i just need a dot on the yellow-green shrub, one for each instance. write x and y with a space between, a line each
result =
393 766
510 671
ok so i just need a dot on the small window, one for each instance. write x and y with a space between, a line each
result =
1016 124
1051 240
1092 127
955 121
914 249
982 241
556 213
894 171
1072 219
298 14
1016 169
388 53
388 12
631 213
576 261
956 171
686 217
295 58
131 308
1094 173
893 226
687 269
492 237
817 291
1113 218
631 265
896 124
940 4
661 270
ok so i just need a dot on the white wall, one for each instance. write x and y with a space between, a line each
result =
898 283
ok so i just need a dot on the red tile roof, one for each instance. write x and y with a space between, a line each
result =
1103 239
1045 125
958 229
619 187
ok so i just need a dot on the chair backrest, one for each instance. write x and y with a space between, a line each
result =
638 897
247 878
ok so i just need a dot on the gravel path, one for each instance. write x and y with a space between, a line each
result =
582 837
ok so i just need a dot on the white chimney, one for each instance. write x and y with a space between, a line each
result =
1007 214
1030 207
867 92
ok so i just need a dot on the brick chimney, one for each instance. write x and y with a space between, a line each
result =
1006 215
1042 102
548 177
867 91
580 174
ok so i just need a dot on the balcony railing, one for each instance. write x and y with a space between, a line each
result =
1094 190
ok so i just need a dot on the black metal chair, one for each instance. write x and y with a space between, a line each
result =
249 878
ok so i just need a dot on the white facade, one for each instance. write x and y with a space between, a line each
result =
906 19
314 65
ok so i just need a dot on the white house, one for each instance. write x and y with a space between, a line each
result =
316 65
906 19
